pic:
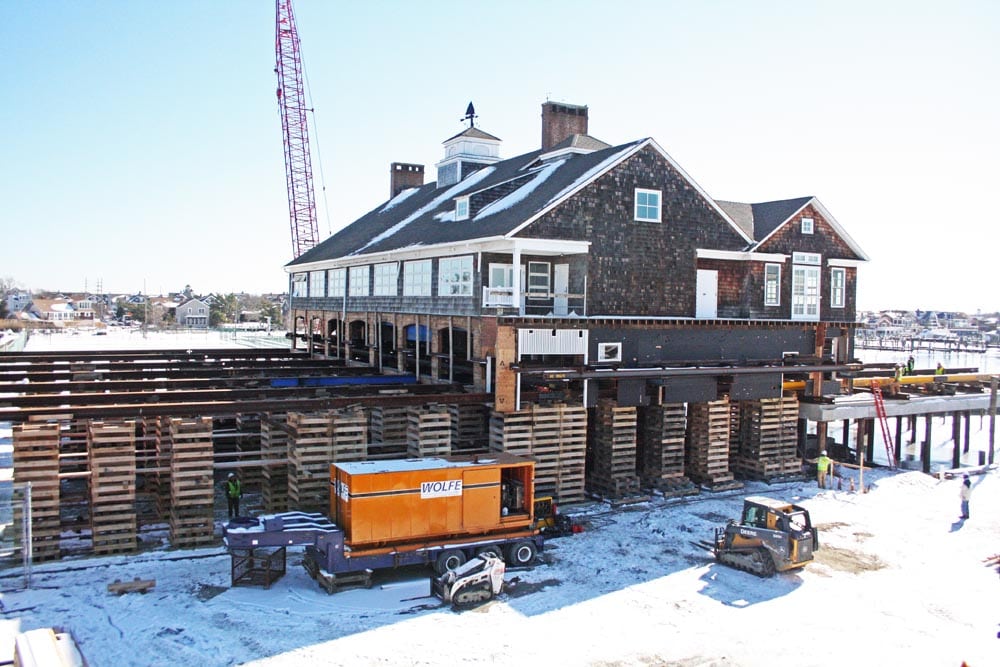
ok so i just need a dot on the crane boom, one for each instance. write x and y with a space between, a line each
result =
292 105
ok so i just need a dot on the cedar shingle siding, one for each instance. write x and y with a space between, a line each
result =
639 268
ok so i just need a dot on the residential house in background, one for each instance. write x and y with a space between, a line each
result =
192 313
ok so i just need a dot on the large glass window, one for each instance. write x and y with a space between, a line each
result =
838 282
336 282
300 284
538 280
647 205
772 285
385 279
455 276
317 283
358 283
417 278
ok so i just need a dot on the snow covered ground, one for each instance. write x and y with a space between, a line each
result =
133 338
898 579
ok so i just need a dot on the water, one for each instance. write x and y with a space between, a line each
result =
988 362
941 429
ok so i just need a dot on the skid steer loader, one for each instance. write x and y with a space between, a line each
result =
771 536
471 584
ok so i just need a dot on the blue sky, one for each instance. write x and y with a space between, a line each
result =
142 140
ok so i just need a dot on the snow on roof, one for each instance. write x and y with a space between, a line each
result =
401 197
451 192
540 176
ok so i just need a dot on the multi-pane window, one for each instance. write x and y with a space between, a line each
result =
417 278
358 281
462 208
647 205
300 284
538 280
455 276
317 283
336 282
838 282
807 225
385 279
772 284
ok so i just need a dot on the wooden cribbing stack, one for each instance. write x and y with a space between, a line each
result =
274 447
706 450
36 460
556 437
248 448
611 455
388 433
766 446
660 459
315 441
112 486
428 431
191 482
469 428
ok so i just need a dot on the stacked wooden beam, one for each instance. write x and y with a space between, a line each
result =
469 428
388 433
660 459
159 429
112 486
248 448
36 460
556 437
315 441
428 431
768 439
191 482
611 451
274 447
707 444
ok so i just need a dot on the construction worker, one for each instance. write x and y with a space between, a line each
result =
234 490
824 466
897 380
939 370
910 363
964 494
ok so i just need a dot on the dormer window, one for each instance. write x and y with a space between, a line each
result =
807 225
462 208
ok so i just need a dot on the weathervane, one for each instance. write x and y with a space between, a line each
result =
470 115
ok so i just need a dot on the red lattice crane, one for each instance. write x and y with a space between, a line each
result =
292 104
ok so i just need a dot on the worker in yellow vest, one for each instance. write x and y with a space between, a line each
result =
824 466
939 370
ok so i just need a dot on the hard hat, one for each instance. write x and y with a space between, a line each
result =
823 453
231 475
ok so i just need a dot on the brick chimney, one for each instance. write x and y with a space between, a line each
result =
560 121
403 176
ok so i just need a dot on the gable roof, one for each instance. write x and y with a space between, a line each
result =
425 216
472 133
762 220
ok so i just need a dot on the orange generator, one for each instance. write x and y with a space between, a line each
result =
385 514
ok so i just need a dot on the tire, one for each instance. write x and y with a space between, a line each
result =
449 559
493 550
521 554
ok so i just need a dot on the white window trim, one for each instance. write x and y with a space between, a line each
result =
336 282
808 226
359 287
548 280
659 205
461 202
444 285
777 292
425 285
843 287
386 279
